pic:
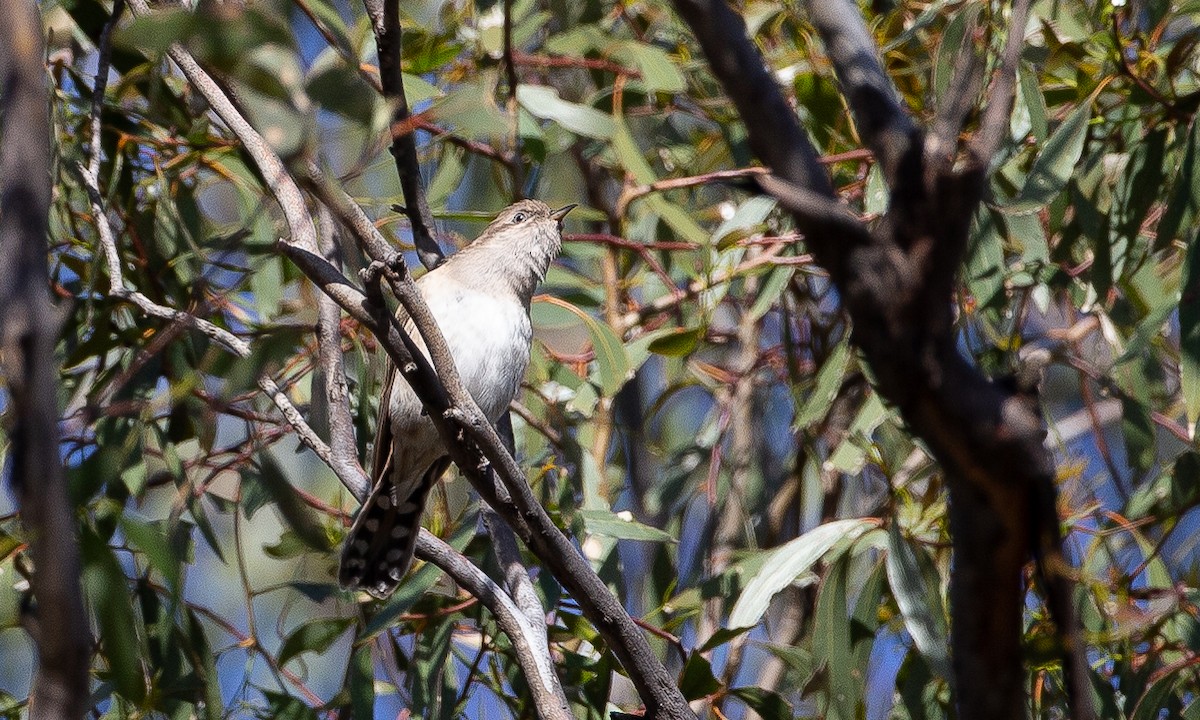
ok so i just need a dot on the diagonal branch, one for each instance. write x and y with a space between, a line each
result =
994 126
884 124
782 145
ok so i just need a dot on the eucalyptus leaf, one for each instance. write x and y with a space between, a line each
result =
787 562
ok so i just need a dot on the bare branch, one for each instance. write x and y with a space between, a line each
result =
344 455
897 289
385 21
883 123
782 145
28 331
528 638
994 126
549 697
517 168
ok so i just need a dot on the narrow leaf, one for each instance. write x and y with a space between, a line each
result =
788 561
917 589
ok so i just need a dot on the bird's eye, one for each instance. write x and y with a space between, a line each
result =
518 218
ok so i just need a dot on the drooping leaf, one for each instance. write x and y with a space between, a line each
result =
916 586
1054 164
313 636
788 561
544 102
1189 332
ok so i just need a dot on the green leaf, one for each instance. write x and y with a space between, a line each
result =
286 707
769 292
985 259
826 386
1055 163
150 539
722 636
1183 207
1170 494
273 486
8 544
1158 694
361 679
612 364
917 588
315 636
769 705
696 680
1030 110
678 342
850 454
157 31
417 89
660 73
409 592
610 524
787 562
543 102
108 592
949 52
833 644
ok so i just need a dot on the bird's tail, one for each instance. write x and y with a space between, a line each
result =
379 548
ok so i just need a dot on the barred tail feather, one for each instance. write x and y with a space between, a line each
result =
379 548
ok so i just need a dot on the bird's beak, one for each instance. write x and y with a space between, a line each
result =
561 213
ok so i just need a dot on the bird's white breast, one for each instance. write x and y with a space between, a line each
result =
488 336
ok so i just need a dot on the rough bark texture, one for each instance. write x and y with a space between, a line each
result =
896 280
28 331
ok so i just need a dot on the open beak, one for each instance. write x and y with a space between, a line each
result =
561 213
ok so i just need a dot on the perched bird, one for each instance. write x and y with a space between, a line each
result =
480 298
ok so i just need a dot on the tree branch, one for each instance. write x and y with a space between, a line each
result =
896 286
28 332
994 126
385 22
781 145
883 123
528 638
344 449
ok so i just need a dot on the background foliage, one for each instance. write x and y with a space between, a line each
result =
694 413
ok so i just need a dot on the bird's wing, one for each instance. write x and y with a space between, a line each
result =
381 461
382 454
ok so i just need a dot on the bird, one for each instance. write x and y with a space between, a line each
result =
480 298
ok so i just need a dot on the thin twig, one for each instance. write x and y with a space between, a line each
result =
510 71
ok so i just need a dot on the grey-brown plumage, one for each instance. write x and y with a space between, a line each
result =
480 298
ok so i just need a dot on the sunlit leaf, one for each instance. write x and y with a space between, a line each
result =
544 102
786 563
616 525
